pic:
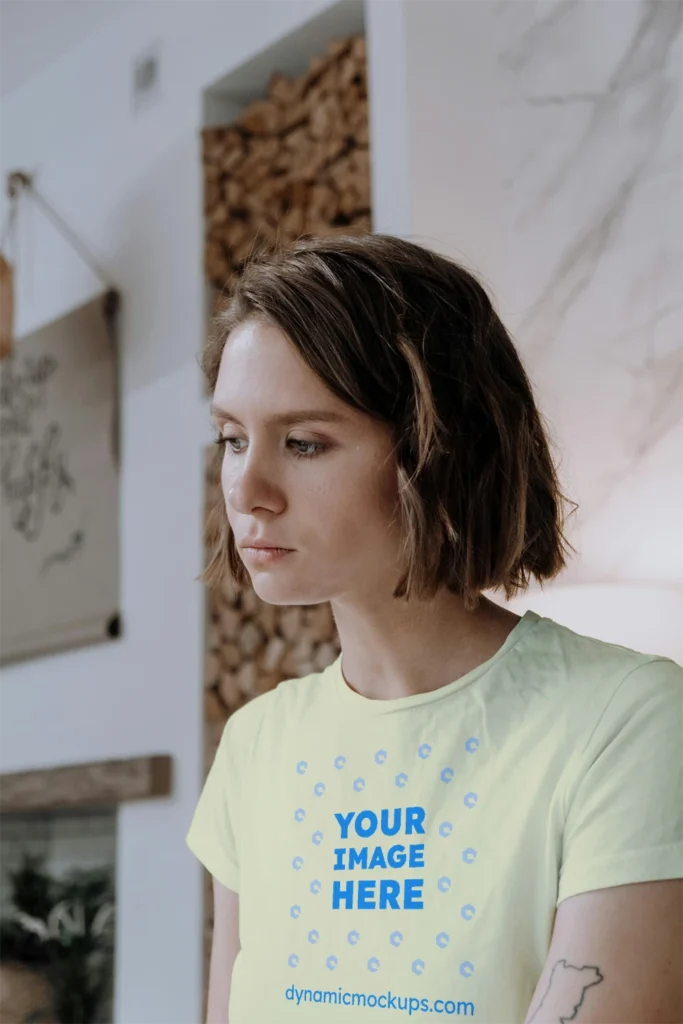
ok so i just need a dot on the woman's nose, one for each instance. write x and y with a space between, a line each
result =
245 497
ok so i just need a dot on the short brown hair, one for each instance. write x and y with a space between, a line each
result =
410 337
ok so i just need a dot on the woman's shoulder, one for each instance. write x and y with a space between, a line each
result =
564 647
587 673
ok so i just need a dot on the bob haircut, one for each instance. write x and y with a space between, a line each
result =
411 338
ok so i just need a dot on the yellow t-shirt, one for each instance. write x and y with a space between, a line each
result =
396 858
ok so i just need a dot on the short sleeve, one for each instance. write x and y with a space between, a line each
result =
624 821
214 830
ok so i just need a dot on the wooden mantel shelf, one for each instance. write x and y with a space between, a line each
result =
92 784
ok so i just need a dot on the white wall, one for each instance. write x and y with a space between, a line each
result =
130 184
544 152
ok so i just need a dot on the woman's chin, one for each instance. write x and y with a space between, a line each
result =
278 591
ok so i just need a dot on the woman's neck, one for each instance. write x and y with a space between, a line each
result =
403 648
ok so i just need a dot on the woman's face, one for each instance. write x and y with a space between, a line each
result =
325 488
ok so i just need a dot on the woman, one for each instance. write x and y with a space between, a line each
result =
445 820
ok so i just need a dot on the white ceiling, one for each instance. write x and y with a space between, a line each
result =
35 32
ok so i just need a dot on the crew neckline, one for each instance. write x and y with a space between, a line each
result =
372 706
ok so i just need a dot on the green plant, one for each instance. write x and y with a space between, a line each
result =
66 926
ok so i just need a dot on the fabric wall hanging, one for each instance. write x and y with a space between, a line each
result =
59 519
59 483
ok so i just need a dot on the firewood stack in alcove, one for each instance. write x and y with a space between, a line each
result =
293 163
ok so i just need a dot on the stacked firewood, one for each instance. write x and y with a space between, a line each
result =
293 163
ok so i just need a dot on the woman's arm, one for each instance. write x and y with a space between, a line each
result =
615 955
225 946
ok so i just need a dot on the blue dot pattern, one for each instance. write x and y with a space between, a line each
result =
366 823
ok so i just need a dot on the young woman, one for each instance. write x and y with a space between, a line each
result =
449 819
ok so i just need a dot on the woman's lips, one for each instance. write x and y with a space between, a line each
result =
265 555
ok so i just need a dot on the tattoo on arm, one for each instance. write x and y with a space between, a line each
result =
573 982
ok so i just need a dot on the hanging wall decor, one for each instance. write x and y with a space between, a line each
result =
59 485
59 503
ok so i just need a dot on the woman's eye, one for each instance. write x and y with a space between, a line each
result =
226 441
317 448
314 447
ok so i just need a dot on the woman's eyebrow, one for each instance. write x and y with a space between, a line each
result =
296 416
